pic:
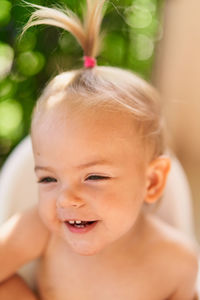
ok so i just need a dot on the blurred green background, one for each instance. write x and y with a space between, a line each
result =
132 27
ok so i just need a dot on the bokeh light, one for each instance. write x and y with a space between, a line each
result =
7 88
11 115
139 16
5 8
30 63
144 47
6 59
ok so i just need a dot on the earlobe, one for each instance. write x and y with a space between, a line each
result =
157 173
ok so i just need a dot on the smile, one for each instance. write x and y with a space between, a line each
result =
78 226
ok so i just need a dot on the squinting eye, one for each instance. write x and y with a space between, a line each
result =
97 177
47 180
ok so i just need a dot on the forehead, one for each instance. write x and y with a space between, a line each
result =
80 134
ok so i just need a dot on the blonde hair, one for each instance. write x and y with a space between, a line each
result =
109 87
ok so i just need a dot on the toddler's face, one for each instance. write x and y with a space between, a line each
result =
89 168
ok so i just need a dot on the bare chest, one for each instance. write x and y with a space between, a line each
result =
62 277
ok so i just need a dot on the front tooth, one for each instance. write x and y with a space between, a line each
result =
71 222
78 222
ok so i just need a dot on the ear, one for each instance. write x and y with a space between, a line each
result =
157 173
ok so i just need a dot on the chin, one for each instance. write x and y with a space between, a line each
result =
86 250
85 253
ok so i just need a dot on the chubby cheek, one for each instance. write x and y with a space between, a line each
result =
120 207
47 211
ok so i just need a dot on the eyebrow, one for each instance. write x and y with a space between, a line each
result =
81 166
42 168
94 163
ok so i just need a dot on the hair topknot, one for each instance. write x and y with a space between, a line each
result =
99 86
86 32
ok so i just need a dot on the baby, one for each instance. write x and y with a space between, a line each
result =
97 136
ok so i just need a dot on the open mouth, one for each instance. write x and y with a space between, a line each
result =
80 224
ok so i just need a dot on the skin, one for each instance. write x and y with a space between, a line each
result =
73 194
94 166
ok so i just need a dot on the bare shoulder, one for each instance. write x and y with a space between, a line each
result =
25 231
23 238
178 254
174 244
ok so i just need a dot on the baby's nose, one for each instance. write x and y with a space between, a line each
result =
68 198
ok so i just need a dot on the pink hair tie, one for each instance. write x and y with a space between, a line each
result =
89 62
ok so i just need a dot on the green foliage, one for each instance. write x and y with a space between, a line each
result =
5 8
132 29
